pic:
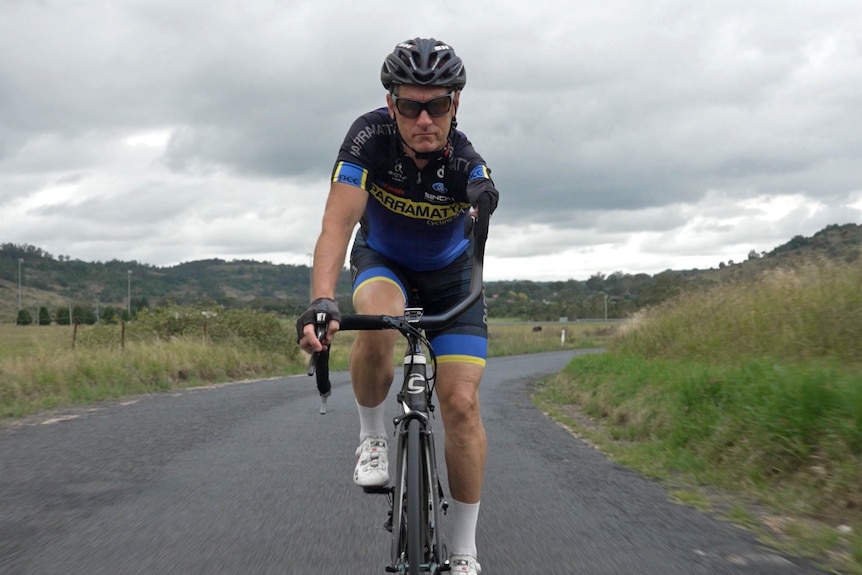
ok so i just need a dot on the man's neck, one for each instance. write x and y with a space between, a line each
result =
420 164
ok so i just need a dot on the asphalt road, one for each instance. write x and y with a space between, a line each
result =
248 478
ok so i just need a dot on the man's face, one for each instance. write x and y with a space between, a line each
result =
425 132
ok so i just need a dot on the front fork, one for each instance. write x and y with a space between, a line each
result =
414 399
437 506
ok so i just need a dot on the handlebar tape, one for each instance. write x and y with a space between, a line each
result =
321 371
480 228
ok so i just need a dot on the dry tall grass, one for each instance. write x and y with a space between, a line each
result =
811 311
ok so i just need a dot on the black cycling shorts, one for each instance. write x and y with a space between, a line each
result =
465 339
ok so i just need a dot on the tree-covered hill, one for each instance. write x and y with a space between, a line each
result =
57 283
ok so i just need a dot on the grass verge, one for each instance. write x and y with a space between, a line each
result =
790 476
746 400
43 368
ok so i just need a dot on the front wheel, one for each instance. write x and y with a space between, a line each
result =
416 500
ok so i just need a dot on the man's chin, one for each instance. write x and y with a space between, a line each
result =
426 146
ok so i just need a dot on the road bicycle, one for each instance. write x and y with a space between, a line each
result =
416 497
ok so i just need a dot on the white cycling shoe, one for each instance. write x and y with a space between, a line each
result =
464 565
372 463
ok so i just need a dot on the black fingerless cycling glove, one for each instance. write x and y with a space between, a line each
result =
482 186
309 316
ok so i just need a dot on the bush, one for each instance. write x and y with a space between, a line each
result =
24 317
259 331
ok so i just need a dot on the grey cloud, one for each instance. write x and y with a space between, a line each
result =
603 123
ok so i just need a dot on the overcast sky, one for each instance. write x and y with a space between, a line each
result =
624 135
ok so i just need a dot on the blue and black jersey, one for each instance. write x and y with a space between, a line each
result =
413 217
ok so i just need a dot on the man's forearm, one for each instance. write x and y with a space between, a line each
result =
329 256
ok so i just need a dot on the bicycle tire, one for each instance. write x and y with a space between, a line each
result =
436 551
416 499
399 509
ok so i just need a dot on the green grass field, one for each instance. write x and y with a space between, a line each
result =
24 341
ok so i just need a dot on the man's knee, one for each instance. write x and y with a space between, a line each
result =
379 296
461 409
458 392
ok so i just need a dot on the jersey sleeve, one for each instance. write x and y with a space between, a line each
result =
479 172
474 165
355 162
350 174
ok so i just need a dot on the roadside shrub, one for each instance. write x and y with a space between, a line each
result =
259 331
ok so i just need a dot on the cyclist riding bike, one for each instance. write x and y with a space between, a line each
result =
409 178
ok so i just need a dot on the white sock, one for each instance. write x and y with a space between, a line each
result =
371 422
463 518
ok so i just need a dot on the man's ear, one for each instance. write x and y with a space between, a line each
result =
391 105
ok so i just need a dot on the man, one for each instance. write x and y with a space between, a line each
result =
409 179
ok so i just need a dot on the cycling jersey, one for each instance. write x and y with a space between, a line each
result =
415 218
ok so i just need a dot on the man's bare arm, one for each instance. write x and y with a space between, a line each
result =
344 207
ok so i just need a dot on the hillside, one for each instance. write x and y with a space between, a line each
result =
63 282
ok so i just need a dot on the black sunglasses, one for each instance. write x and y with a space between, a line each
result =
436 107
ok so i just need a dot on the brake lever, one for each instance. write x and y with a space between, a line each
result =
318 363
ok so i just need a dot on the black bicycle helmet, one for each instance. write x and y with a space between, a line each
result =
423 62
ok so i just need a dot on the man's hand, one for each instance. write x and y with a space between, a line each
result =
482 186
306 328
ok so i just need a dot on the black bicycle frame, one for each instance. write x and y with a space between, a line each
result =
416 497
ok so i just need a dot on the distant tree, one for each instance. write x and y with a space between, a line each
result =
62 316
79 315
617 283
139 303
109 315
797 242
24 317
44 316
665 285
596 282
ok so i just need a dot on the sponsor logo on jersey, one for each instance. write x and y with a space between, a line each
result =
392 189
418 210
397 173
439 187
351 174
437 199
479 173
367 133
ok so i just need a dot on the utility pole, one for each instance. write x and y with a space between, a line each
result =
129 302
20 261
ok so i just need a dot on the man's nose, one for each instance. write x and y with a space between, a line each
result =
424 118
